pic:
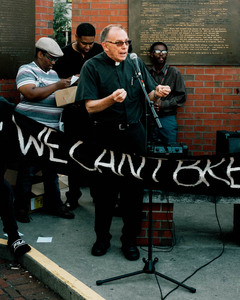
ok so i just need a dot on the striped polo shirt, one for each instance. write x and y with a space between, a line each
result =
43 111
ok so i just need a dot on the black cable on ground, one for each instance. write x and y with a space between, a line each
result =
203 266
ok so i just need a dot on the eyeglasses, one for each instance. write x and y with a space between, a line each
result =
157 51
85 43
120 43
52 59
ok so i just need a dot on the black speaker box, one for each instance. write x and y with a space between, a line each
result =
227 142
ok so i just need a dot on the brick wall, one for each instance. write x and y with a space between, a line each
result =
99 13
44 18
213 104
213 100
44 27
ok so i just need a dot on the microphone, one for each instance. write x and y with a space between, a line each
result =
134 58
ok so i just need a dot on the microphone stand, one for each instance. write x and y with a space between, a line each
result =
150 103
149 267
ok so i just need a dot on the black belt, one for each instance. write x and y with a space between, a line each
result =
118 126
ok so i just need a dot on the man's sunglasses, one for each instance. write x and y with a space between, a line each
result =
52 59
119 43
157 51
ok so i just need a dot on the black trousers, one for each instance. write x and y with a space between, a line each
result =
6 206
131 140
77 126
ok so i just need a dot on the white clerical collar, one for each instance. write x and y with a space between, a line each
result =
117 63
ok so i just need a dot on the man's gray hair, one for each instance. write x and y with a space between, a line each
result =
105 31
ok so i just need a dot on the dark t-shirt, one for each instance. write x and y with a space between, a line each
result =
100 77
72 61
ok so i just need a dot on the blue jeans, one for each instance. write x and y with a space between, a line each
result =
25 180
168 133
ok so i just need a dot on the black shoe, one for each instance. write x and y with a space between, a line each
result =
19 247
22 216
130 252
63 212
100 248
71 205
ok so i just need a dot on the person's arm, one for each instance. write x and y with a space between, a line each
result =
33 93
178 95
161 91
94 106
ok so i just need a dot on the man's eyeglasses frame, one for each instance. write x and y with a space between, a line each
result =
52 59
120 43
157 51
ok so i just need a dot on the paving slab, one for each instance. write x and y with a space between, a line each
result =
197 243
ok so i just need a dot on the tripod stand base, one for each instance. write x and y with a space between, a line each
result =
149 268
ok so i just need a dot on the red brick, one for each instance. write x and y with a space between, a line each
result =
233 123
3 283
89 12
167 207
232 84
194 83
47 3
204 77
232 97
223 77
195 70
193 122
101 6
166 225
119 19
213 70
41 10
212 122
203 91
221 116
80 6
162 216
195 97
100 19
232 71
213 109
212 97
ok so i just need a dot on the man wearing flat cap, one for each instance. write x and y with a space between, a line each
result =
37 82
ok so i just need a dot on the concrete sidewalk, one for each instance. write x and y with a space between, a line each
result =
68 267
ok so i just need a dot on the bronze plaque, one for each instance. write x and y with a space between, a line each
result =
17 35
197 32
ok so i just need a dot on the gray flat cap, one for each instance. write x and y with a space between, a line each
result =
49 45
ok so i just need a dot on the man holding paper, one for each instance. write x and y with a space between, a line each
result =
37 82
75 116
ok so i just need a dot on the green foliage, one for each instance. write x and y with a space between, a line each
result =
61 22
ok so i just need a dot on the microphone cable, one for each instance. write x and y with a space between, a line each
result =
203 266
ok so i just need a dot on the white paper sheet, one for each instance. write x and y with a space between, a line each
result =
44 239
